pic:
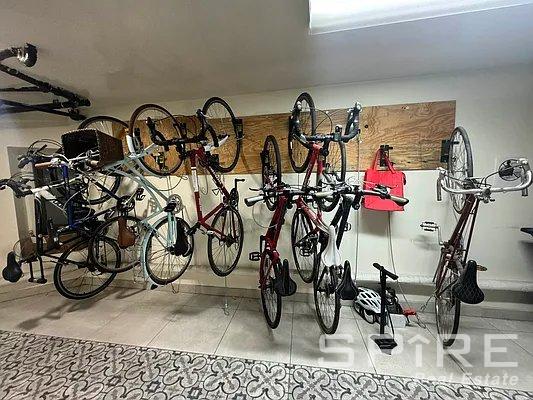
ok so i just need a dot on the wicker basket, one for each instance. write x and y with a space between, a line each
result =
76 143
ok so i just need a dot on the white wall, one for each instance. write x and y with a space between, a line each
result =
496 108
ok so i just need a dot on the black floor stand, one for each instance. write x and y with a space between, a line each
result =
384 341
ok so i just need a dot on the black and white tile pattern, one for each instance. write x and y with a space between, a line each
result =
45 367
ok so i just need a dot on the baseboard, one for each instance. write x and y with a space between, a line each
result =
500 303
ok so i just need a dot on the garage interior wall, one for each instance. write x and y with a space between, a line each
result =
496 108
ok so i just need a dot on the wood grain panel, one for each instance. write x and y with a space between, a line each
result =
415 131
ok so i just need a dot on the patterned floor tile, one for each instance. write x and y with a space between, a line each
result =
34 366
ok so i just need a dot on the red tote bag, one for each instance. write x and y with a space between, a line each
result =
391 178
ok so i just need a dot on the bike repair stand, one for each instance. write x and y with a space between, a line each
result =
384 341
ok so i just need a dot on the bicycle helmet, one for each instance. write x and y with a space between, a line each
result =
368 303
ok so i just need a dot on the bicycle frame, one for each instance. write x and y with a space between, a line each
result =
451 248
269 242
41 229
200 156
340 219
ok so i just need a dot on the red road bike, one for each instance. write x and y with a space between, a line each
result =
171 243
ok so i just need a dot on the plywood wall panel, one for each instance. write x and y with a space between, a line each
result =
415 131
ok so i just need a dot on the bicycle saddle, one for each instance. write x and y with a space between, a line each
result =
284 284
12 272
466 288
126 236
331 255
347 288
527 230
181 247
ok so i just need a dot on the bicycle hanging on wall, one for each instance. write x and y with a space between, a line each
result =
172 237
456 276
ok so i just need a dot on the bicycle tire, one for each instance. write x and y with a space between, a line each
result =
59 271
469 172
339 177
104 231
269 296
221 126
330 290
147 251
447 341
297 149
113 127
271 174
104 123
174 132
307 274
218 269
113 188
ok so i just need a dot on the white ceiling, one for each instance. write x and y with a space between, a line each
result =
133 52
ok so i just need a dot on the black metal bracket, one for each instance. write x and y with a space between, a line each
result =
27 55
445 151
383 154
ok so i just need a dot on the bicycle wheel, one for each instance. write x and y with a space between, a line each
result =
270 299
447 306
94 192
222 120
162 262
333 174
113 127
109 125
460 165
304 245
224 253
77 277
271 169
327 301
163 160
126 232
298 153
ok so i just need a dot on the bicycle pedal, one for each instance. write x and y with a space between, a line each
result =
254 256
429 226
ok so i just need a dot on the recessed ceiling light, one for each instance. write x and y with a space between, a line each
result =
339 15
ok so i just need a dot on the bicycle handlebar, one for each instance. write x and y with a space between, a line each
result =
344 189
284 190
352 125
348 189
46 164
20 189
250 201
160 140
526 180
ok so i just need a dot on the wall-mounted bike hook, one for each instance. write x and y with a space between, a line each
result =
384 154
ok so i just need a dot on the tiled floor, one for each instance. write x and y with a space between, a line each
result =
202 324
